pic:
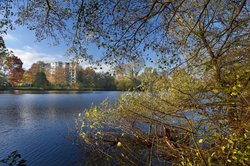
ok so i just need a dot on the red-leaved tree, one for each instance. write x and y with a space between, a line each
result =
14 68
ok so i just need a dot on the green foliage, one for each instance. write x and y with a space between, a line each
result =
41 80
4 53
105 81
88 78
6 14
124 83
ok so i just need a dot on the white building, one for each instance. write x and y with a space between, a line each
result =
54 66
69 71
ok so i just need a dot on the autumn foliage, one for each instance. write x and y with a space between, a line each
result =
14 69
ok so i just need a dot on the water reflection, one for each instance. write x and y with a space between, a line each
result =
37 125
44 92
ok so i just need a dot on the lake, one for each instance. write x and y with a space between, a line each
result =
37 124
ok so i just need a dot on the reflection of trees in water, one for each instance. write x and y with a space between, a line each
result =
14 159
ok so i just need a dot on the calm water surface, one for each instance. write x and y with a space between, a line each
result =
37 125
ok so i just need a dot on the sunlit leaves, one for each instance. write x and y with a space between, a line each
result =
119 144
14 67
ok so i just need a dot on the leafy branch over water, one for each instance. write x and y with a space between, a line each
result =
191 122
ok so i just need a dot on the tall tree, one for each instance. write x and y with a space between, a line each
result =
89 74
3 55
127 74
206 101
34 69
148 78
27 77
14 67
104 81
41 80
60 77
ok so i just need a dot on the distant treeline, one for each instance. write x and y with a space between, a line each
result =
42 75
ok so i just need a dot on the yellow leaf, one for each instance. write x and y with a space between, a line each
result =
230 141
200 141
229 161
86 114
119 144
223 149
83 135
237 64
82 125
234 88
215 90
233 93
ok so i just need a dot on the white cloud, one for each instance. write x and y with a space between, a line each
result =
28 55
102 68
9 37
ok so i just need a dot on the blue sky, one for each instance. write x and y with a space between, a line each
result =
24 45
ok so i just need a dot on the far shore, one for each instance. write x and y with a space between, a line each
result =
54 89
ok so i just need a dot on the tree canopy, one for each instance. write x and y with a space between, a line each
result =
14 68
41 80
177 31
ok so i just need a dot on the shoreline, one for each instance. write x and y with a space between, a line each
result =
56 89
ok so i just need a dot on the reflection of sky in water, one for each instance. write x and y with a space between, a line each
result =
36 125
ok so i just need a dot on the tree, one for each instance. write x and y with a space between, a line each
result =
41 80
27 77
80 77
30 75
202 115
124 84
6 14
104 81
87 77
189 122
4 53
127 75
205 47
60 76
148 78
14 67
128 28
